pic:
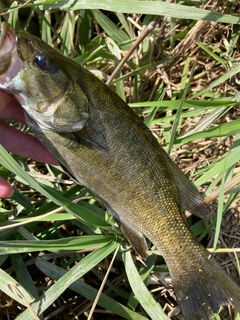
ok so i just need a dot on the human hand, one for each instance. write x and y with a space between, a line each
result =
16 141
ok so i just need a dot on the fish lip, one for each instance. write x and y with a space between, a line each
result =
7 39
3 34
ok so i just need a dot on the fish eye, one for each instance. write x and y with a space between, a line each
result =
40 61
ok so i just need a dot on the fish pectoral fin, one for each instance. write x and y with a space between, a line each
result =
133 235
86 142
92 144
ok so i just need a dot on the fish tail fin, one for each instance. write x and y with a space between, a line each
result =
202 294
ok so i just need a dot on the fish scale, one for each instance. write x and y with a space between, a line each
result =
102 144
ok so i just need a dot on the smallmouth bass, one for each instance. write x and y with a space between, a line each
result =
103 145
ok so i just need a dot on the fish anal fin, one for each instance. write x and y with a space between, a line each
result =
136 239
133 235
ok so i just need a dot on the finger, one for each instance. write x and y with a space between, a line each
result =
24 145
12 109
6 190
5 99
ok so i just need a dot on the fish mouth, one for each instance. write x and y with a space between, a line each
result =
10 63
7 43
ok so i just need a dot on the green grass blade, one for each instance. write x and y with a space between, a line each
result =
23 275
144 272
68 25
56 245
55 272
217 82
141 292
225 129
173 104
80 269
207 120
220 166
183 93
124 23
152 114
212 54
135 6
219 211
7 282
46 30
85 28
110 28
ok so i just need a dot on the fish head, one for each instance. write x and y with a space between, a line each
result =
38 77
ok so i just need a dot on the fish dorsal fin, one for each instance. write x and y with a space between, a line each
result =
189 198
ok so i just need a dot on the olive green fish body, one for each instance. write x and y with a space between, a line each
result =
103 145
118 159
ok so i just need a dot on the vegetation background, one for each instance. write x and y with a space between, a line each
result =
57 242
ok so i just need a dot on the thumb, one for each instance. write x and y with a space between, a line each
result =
5 189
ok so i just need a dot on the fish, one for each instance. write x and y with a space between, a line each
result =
102 144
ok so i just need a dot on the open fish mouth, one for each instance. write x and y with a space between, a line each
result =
10 64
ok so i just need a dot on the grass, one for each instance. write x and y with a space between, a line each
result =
182 80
